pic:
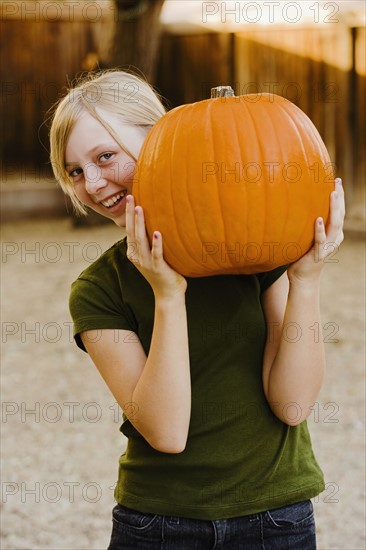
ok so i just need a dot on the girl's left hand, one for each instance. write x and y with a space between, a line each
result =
326 241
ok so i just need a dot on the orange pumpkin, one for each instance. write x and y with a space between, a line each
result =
234 184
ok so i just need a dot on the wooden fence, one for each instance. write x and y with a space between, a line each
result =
321 70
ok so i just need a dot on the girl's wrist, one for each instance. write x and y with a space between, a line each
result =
308 286
167 302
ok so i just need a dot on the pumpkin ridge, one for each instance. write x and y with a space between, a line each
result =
204 125
263 151
181 235
270 117
284 156
267 196
177 225
287 184
221 203
238 120
243 159
211 106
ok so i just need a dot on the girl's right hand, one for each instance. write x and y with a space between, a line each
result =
164 281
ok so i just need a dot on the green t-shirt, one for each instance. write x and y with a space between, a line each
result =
240 458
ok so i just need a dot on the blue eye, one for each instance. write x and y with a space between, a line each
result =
105 156
76 172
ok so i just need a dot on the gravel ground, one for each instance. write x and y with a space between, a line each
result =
60 424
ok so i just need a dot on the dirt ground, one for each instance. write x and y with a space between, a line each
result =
60 423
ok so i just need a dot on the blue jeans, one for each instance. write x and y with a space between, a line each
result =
287 528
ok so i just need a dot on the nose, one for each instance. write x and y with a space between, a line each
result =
94 180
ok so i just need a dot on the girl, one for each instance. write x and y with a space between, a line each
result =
215 394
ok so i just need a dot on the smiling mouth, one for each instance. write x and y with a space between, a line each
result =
114 200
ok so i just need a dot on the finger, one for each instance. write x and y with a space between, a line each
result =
157 247
140 233
130 218
338 185
319 235
132 247
340 191
319 239
336 215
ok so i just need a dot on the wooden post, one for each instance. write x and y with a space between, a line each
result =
136 36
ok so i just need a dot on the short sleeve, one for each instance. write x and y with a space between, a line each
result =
93 308
269 277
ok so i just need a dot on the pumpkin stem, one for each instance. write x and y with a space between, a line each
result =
222 91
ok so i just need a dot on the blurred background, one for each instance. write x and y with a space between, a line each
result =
59 422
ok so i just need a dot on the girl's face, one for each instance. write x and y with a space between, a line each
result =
101 170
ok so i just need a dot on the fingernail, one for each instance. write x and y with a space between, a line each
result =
320 221
339 181
156 235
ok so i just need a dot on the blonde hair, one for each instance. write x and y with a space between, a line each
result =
123 94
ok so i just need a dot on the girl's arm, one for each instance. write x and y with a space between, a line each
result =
153 391
294 360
